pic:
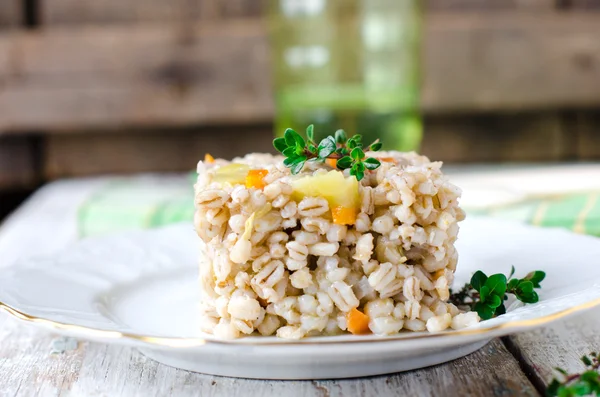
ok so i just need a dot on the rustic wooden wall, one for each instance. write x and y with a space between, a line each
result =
18 169
127 86
73 78
158 150
10 13
489 5
114 12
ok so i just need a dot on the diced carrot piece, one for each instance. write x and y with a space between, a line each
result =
255 179
358 322
208 158
343 215
331 162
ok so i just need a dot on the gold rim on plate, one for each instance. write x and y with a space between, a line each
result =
195 342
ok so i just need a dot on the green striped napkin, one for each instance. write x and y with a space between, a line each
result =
136 203
578 212
146 202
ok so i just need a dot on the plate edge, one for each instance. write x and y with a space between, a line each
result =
159 341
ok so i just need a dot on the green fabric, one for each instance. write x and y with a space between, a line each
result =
577 212
138 203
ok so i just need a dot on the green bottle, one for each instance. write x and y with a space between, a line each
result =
351 64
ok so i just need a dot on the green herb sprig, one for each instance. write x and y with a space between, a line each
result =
582 384
349 152
486 295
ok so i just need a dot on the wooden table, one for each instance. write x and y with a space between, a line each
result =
519 365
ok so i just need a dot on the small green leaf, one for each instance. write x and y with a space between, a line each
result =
310 132
494 301
351 144
586 360
376 146
279 144
357 153
312 148
590 375
536 277
561 371
525 287
358 139
297 167
581 388
291 160
484 311
371 163
512 284
484 293
565 391
290 151
340 137
326 147
358 174
478 280
300 143
497 284
290 137
344 163
552 389
529 298
512 272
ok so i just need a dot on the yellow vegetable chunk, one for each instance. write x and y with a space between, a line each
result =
333 186
233 174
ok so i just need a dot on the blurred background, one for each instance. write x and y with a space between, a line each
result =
90 87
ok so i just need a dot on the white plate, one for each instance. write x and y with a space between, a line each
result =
139 289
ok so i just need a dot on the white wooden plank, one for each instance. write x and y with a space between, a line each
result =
28 369
561 345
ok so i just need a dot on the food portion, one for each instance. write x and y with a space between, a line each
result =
323 242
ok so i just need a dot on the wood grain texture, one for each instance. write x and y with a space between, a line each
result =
585 134
28 369
511 61
481 138
497 137
10 13
148 75
561 345
71 78
69 155
581 4
18 168
488 5
83 12
6 58
114 12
